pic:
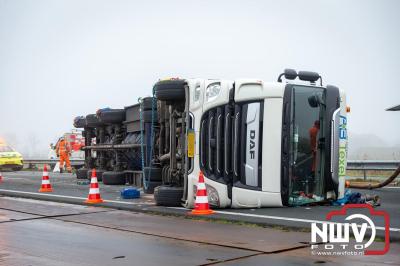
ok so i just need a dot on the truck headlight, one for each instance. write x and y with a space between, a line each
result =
213 91
213 197
212 193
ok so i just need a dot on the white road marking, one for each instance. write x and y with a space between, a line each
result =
282 218
72 197
181 208
41 194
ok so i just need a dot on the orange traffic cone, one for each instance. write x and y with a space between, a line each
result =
46 186
201 206
94 192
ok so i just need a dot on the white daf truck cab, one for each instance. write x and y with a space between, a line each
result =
258 144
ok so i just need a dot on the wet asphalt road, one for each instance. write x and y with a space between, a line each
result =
26 184
45 233
44 242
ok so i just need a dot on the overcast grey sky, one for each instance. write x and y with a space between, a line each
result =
59 59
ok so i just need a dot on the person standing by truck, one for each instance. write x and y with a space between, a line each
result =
63 150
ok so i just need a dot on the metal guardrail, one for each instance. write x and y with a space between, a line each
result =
372 165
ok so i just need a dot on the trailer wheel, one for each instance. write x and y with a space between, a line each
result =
114 178
170 90
153 174
80 122
151 186
168 196
148 104
111 116
93 121
147 116
99 174
81 173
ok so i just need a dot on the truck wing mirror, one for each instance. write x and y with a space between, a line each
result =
309 76
313 101
288 73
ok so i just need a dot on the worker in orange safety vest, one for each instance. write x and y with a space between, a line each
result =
63 150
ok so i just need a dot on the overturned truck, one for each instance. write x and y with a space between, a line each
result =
258 143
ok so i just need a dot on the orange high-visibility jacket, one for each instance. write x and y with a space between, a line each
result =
63 147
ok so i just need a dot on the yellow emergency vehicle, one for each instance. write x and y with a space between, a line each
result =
9 158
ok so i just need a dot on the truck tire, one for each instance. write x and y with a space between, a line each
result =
81 173
151 186
99 174
148 102
170 90
168 196
146 115
114 178
111 116
153 174
80 122
93 121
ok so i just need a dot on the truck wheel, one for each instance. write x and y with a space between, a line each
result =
165 174
147 116
99 174
80 122
114 178
93 121
111 116
170 90
148 102
81 173
153 174
168 196
151 186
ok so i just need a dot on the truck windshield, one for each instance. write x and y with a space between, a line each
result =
306 155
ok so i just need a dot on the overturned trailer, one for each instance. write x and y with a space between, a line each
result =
258 143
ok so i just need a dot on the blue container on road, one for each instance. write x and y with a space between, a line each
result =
130 193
